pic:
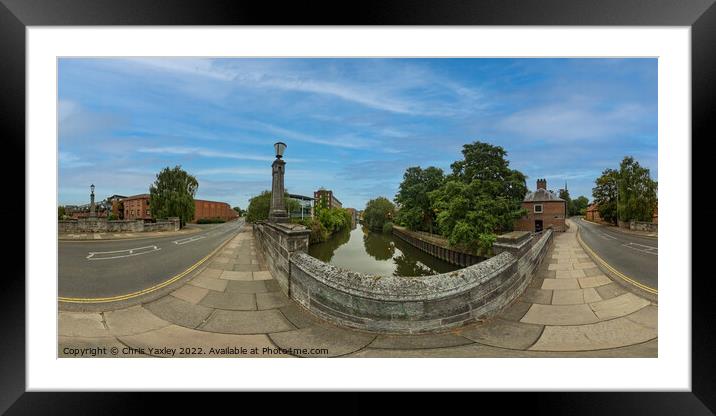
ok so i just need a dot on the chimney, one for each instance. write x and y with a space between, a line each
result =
542 184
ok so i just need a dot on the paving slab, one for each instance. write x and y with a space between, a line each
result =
618 306
191 340
647 316
133 320
568 297
272 300
253 286
210 272
533 295
594 281
608 334
211 283
178 311
591 295
336 340
262 275
516 311
230 301
245 268
247 322
559 315
646 349
504 334
298 316
234 275
81 324
560 284
419 341
190 293
610 290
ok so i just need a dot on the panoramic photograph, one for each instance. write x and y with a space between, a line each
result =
357 207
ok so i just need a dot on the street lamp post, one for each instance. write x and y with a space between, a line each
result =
278 212
92 208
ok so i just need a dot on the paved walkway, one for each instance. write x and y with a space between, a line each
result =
235 307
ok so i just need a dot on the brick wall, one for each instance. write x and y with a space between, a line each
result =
213 209
552 216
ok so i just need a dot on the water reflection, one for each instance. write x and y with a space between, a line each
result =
377 253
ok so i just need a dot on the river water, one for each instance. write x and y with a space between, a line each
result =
375 253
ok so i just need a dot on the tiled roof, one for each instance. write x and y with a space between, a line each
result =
541 195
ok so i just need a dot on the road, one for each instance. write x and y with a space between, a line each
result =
633 255
95 269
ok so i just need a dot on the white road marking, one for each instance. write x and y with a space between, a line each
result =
643 248
608 237
107 255
188 240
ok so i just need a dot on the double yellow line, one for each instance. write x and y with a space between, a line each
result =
613 270
147 290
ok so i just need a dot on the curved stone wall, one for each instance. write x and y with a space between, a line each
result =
414 304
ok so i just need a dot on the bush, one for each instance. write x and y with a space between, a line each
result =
388 227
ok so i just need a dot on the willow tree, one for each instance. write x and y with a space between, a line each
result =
172 194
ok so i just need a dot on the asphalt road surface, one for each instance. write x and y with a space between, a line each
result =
95 269
634 256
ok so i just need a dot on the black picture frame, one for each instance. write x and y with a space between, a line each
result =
16 15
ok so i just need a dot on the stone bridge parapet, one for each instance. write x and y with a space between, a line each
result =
399 304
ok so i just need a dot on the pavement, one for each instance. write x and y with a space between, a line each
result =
634 257
110 270
233 307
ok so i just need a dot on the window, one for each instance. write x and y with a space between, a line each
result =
538 208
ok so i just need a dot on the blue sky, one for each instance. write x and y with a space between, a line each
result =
351 125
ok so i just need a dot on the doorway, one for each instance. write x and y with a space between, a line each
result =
538 226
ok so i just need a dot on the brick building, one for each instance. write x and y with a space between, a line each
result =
592 213
324 197
544 210
213 209
136 207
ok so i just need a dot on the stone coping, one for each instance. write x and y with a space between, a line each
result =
403 288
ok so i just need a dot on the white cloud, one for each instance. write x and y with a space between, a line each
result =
198 151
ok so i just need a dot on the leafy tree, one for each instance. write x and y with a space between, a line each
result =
172 194
238 210
377 212
260 205
637 191
605 195
416 211
61 212
481 197
627 194
580 205
564 194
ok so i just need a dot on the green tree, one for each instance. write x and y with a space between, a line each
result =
260 205
564 194
377 212
580 205
172 194
416 211
637 191
605 195
238 210
61 212
481 197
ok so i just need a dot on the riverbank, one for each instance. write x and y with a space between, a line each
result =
437 246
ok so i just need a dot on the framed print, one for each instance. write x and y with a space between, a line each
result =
460 197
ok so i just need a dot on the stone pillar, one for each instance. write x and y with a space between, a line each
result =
278 213
93 213
515 242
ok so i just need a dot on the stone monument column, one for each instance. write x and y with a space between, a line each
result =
277 212
93 213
